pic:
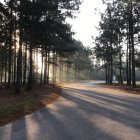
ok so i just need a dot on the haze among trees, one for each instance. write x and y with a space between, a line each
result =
37 44
48 87
118 45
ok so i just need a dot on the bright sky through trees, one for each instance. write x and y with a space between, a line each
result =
87 20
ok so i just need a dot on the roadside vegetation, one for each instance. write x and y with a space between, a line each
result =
37 49
13 107
37 44
117 48
122 87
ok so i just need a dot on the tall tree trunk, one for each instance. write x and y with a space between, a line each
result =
106 73
37 65
60 70
45 67
15 50
48 67
111 62
120 62
130 54
19 64
120 67
127 62
30 77
55 64
54 80
132 45
41 68
15 58
19 69
67 78
75 72
25 63
19 59
108 64
10 44
130 48
5 75
12 68
5 68
1 78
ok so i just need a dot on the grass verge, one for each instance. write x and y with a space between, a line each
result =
123 87
13 106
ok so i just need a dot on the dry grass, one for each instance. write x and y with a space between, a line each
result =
123 87
14 106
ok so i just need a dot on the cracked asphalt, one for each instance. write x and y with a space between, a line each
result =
85 111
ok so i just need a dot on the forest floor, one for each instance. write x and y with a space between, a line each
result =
122 87
13 106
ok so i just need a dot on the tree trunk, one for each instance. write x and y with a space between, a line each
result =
19 59
60 70
37 65
75 70
48 67
132 46
111 63
30 78
67 79
45 67
54 77
25 64
129 67
10 44
120 67
127 63
41 69
15 59
106 73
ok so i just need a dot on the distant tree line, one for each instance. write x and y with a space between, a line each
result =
118 44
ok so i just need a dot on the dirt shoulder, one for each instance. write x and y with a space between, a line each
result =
13 106
125 88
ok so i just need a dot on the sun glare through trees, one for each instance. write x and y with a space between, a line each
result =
73 65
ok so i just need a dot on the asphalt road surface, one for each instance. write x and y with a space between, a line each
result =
85 112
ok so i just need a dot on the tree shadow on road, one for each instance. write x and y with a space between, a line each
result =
124 102
99 103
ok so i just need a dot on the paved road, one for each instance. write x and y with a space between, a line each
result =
85 112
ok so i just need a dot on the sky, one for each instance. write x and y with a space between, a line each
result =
87 20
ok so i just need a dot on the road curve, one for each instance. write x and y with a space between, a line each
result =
84 112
